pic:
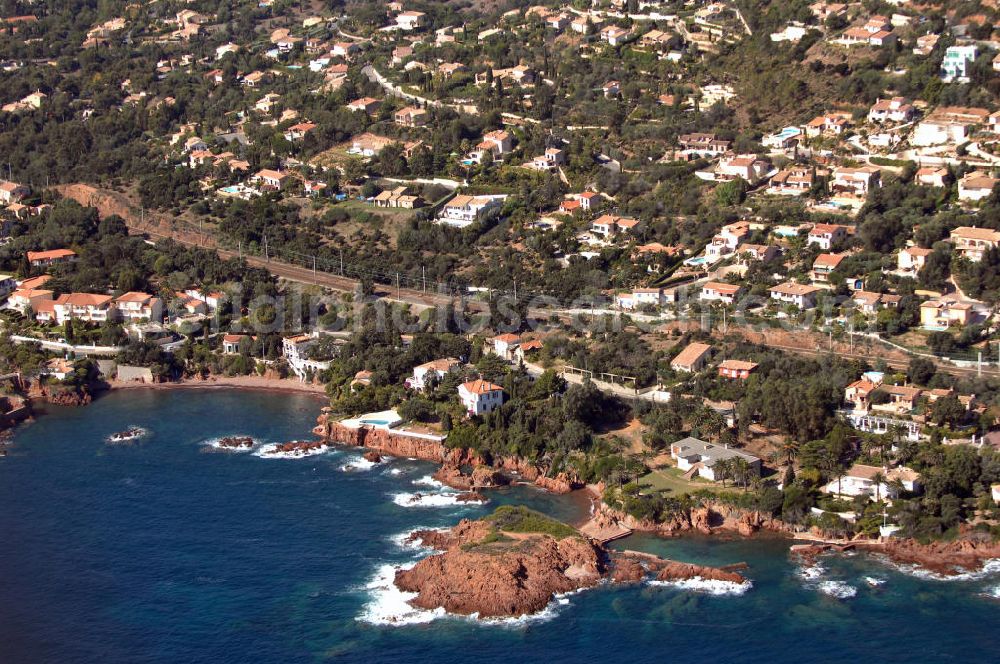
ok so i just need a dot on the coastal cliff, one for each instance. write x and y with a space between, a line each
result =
460 469
515 561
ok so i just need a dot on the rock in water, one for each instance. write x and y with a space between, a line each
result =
515 561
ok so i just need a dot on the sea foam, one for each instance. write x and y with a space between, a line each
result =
706 586
427 480
267 452
429 500
837 589
388 605
356 464
990 568
214 443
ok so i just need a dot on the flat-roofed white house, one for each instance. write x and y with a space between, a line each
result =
296 352
640 297
698 458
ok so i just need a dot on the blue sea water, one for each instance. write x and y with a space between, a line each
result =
164 551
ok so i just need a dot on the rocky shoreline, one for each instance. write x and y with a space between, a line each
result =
966 555
467 472
499 567
460 469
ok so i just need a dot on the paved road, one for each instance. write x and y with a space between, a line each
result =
375 77
420 298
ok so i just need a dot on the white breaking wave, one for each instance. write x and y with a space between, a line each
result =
430 500
837 589
403 541
357 463
811 572
812 576
388 605
874 581
706 586
215 444
993 593
427 480
990 568
267 452
133 433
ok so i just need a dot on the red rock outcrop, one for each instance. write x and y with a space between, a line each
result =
61 396
493 573
674 571
948 558
502 578
372 456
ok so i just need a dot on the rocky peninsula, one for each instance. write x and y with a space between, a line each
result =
515 561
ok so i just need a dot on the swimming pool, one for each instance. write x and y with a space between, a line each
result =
231 189
697 260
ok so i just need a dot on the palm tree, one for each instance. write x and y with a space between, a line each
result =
741 471
790 447
878 478
723 468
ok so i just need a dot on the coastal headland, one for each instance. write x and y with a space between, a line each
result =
515 561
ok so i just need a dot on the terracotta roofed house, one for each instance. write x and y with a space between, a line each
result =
433 370
51 257
972 242
692 358
736 369
135 306
912 258
719 291
825 264
480 396
801 295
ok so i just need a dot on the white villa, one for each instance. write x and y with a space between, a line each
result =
698 458
860 481
428 370
480 397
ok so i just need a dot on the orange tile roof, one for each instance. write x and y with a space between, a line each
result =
691 354
480 386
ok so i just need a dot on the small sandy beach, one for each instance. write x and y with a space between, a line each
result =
243 382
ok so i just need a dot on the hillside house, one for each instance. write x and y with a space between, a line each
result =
434 370
739 369
825 236
972 242
480 397
801 295
717 291
692 359
698 458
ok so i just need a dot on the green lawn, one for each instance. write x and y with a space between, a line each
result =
672 480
